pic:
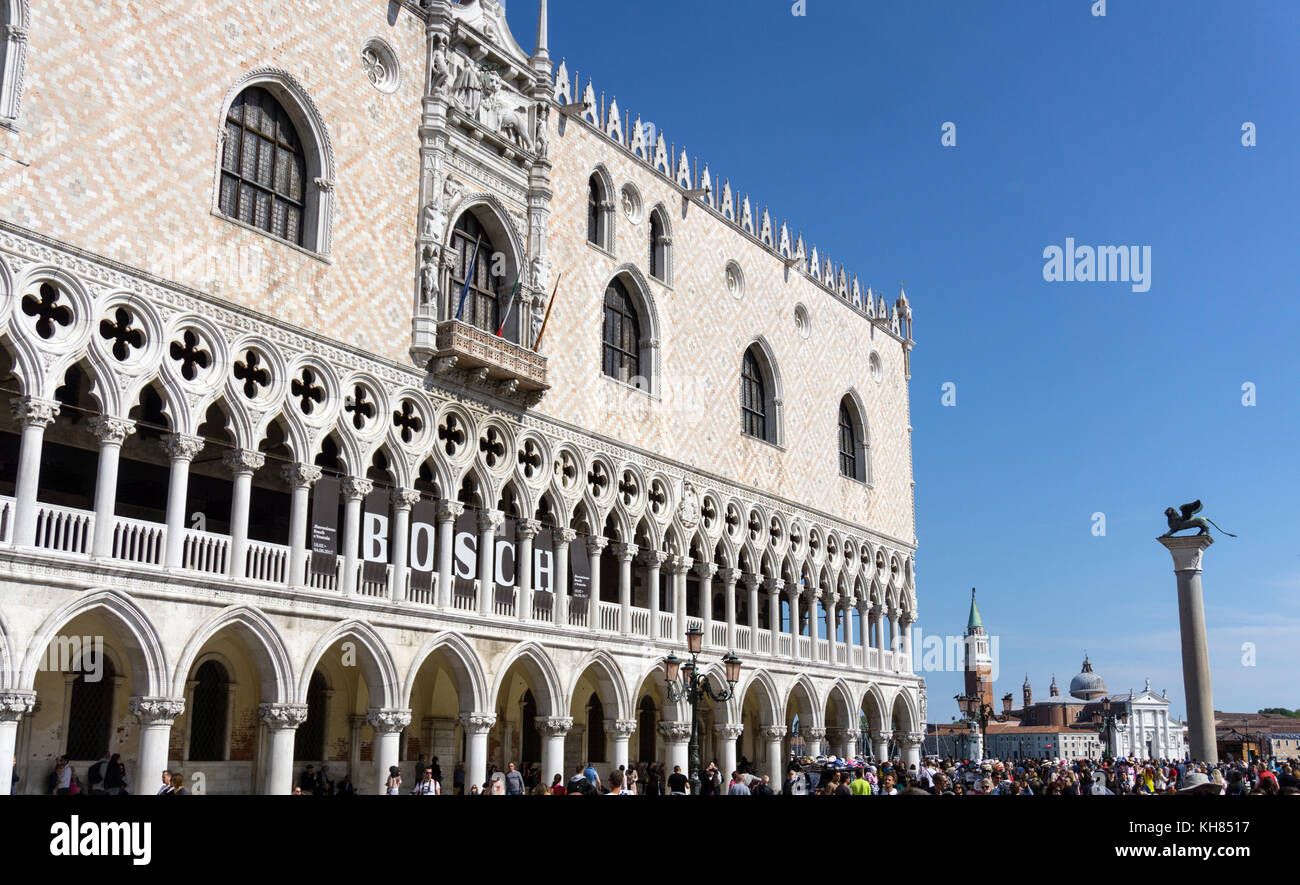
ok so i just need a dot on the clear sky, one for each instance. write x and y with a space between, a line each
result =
1072 398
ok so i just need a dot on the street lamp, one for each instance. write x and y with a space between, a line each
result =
977 713
1109 721
693 686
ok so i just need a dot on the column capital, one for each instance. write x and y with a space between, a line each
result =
837 735
814 733
675 732
32 412
450 510
14 704
830 599
279 717
110 431
565 536
528 529
728 732
751 581
908 618
404 499
774 585
1187 551
596 545
912 740
301 475
623 728
877 610
243 461
478 723
653 558
729 576
883 736
388 721
773 732
680 565
355 488
554 726
625 552
706 570
180 447
490 520
156 711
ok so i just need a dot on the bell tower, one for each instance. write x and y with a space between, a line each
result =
979 663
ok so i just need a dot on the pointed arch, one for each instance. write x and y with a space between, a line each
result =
275 667
660 265
854 438
762 398
770 701
376 664
471 681
609 682
631 331
873 702
600 209
803 685
537 663
15 24
840 707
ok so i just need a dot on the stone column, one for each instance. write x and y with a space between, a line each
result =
835 741
625 553
705 572
893 636
488 523
403 500
181 451
814 737
354 491
751 584
1187 553
300 478
654 559
846 618
794 595
111 433
729 578
905 643
355 722
677 736
864 632
155 716
388 726
729 734
554 729
476 726
774 734
595 547
830 606
282 721
448 512
34 415
13 705
773 586
560 608
243 464
681 566
912 749
880 745
526 530
620 732
878 616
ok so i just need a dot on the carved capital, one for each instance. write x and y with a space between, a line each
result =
278 717
301 475
554 726
728 732
405 499
912 740
597 545
625 552
449 511
623 728
180 447
388 721
110 431
773 732
751 582
527 529
243 461
478 723
814 733
885 736
31 412
565 536
355 488
680 565
706 570
156 711
675 732
16 33
14 704
653 558
729 576
490 520
774 585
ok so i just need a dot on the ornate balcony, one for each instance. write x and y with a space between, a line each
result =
489 364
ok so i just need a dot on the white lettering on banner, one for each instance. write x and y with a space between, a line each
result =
466 551
375 548
504 547
543 570
422 535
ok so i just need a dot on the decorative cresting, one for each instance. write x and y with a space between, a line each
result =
156 711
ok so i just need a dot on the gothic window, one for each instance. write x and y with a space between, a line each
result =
208 726
593 210
753 397
854 453
13 52
264 167
600 212
90 714
622 334
660 247
482 305
309 740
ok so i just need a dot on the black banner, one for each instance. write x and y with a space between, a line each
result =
422 554
580 572
374 544
505 575
465 559
543 573
325 526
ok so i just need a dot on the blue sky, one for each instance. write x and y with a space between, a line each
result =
1072 398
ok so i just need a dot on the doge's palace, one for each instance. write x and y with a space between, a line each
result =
380 388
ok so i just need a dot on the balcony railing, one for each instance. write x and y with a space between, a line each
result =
461 346
69 531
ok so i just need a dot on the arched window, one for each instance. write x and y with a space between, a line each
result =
530 744
600 212
645 728
309 740
760 401
13 56
264 167
90 714
660 247
854 445
483 303
622 334
208 726
595 730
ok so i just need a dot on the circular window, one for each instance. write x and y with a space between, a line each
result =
380 64
802 322
877 369
632 207
735 280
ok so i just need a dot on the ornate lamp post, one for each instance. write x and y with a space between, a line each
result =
694 687
978 714
1109 720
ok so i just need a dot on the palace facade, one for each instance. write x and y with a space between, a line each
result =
375 389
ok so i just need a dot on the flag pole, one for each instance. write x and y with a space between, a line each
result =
469 277
542 332
510 308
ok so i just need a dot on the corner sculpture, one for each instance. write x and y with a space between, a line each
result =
1187 519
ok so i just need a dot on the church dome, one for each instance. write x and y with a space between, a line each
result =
1087 685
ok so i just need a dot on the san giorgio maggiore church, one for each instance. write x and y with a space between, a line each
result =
377 387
